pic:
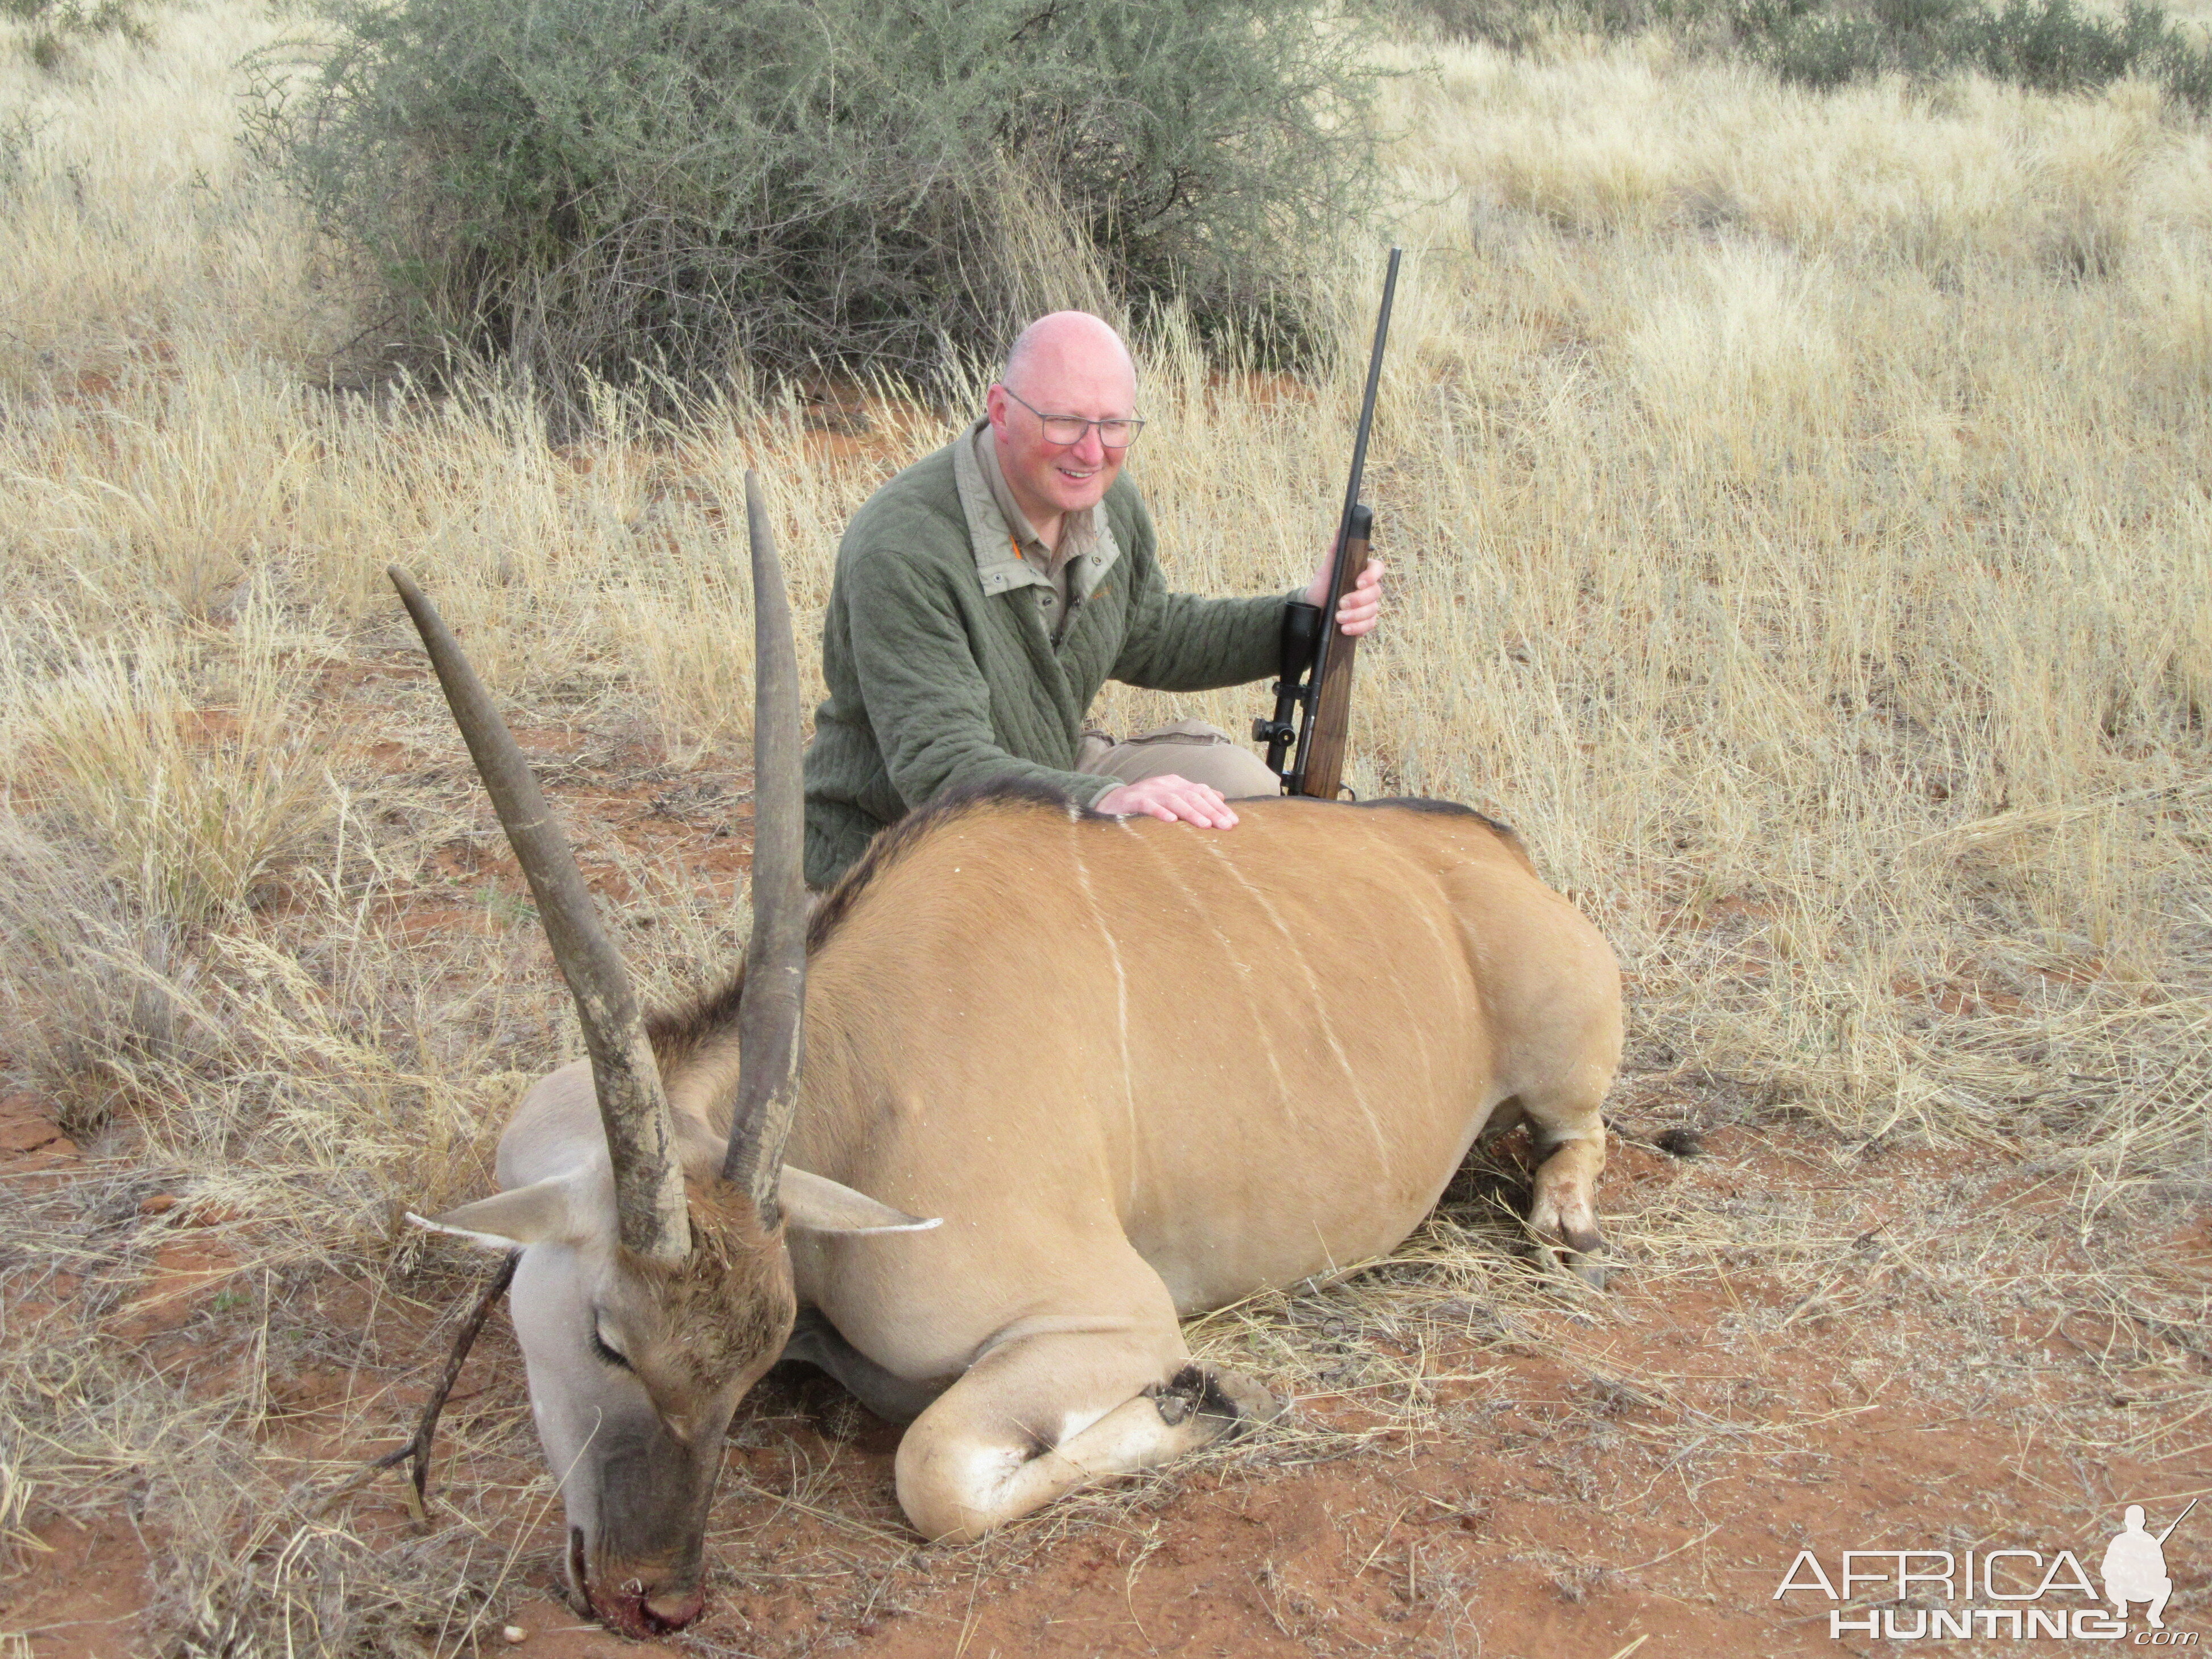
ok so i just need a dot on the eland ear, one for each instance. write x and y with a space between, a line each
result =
823 1206
541 1213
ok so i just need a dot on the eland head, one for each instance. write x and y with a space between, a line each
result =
653 1286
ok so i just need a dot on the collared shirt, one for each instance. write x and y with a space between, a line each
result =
1078 533
938 673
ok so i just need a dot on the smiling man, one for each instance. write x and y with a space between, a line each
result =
983 596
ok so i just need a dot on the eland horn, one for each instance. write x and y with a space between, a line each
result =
770 1043
651 1217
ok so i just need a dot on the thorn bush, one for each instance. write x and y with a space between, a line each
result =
585 188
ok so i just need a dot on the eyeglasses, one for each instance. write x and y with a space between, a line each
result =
1067 430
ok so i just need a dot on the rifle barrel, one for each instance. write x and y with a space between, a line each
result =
1322 733
2176 1522
1367 401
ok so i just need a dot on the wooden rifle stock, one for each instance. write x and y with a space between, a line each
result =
1317 659
1320 771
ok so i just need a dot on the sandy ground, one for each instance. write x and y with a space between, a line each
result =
1632 1471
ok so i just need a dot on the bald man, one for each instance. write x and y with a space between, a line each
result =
984 595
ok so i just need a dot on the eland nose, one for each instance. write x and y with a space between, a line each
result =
639 1616
674 1609
637 1612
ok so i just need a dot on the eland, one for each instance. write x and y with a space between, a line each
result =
1064 1079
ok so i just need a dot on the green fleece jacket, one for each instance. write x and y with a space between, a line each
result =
939 668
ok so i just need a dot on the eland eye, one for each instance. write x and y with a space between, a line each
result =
612 1357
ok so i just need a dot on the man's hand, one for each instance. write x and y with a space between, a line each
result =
1362 603
1170 799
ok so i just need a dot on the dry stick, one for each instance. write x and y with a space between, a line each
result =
418 1449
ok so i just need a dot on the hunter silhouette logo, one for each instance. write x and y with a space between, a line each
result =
2134 1568
2003 1594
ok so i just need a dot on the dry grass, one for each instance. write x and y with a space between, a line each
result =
1799 517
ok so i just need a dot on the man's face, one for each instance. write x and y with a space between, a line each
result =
1085 378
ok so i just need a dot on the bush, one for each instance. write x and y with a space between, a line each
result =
2053 45
2049 45
1515 24
51 26
585 186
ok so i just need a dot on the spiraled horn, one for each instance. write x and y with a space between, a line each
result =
770 1043
640 1134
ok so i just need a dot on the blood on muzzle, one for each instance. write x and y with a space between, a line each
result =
645 1573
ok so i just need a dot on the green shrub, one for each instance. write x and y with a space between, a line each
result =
1517 24
1826 51
588 186
53 26
2054 45
2184 69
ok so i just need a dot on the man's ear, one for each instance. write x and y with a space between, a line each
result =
823 1206
540 1213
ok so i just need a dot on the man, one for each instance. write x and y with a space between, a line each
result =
983 596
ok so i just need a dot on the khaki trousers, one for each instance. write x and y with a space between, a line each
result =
1189 748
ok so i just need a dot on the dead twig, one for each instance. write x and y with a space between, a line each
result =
417 1448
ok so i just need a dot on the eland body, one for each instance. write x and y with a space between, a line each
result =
1091 1074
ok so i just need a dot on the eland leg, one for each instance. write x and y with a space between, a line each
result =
1047 1410
1569 1134
817 1342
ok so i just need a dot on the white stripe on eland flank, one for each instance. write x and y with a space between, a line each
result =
1320 1005
1157 847
1122 1000
1447 952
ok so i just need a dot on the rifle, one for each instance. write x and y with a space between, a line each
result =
2176 1522
1316 659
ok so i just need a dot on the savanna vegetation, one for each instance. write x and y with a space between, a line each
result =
1796 489
705 190
2052 45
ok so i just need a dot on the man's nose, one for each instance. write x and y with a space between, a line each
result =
1090 448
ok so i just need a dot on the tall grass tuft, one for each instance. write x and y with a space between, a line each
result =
194 803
